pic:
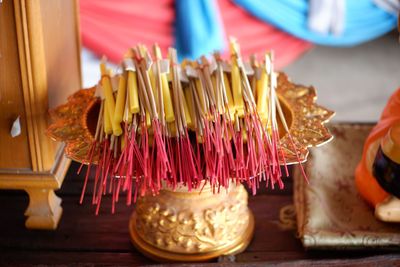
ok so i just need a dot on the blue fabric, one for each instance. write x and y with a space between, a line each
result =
364 21
198 28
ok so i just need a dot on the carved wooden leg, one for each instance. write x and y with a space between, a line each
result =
44 210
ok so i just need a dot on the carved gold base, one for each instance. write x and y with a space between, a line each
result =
183 226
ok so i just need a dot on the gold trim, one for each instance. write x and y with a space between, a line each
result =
307 127
70 125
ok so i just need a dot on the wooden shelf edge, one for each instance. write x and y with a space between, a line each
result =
53 179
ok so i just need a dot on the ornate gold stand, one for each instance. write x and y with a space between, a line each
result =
183 226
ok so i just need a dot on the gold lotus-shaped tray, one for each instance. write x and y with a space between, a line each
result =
74 122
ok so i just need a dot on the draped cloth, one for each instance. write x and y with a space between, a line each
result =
256 37
363 20
198 28
391 6
201 27
326 16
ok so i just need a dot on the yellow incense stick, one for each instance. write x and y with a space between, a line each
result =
158 83
153 84
216 93
148 119
108 95
116 127
108 92
172 129
133 93
236 79
107 121
244 135
110 102
200 93
165 92
237 90
127 117
117 130
122 143
151 140
190 107
231 104
130 115
188 116
262 94
254 80
168 108
200 139
121 100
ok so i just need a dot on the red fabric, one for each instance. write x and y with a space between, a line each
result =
111 27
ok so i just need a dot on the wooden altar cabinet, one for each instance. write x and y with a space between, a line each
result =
39 68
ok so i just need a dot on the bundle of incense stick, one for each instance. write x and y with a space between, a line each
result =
165 124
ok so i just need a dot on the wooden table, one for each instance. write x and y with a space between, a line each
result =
84 239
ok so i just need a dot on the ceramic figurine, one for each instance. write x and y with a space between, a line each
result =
378 174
